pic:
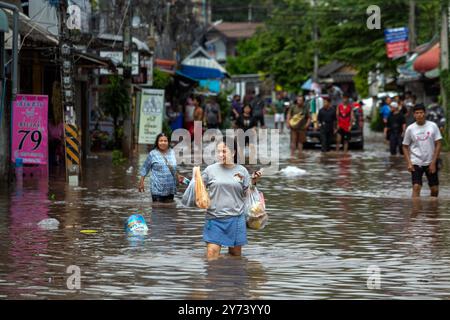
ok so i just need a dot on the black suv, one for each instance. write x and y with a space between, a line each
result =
356 137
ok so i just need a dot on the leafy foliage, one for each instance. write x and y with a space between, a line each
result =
115 102
160 79
118 158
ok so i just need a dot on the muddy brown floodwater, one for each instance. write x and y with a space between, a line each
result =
329 228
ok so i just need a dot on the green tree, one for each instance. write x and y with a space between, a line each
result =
284 48
161 79
115 102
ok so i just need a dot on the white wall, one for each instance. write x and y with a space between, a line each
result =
47 16
221 50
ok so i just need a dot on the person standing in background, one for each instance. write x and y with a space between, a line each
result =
189 115
326 122
236 109
162 164
345 119
395 128
278 110
258 108
212 116
436 114
299 114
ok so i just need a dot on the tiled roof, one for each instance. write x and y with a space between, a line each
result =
237 30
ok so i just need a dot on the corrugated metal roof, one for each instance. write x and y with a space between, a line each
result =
200 58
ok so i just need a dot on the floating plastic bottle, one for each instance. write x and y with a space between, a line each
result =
136 225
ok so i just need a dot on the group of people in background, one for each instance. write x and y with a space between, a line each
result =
333 118
333 115
397 114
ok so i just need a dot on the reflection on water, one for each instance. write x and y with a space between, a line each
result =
327 225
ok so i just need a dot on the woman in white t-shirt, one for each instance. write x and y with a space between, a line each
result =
227 183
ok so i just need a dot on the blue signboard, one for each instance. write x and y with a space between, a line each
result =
396 35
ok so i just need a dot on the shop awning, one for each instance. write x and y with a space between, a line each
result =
90 60
428 60
140 46
186 77
202 72
163 64
406 71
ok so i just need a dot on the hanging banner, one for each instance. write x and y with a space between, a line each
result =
29 129
397 43
151 115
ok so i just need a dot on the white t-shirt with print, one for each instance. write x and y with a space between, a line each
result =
421 141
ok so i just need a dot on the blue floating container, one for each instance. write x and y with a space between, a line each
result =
136 225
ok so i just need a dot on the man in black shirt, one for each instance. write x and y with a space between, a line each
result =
395 128
326 120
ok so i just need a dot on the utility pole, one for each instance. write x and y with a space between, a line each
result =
71 131
127 75
444 61
250 17
412 25
315 40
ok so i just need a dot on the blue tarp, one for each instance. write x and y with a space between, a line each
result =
211 85
201 72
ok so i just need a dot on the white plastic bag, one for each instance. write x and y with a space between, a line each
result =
188 199
256 210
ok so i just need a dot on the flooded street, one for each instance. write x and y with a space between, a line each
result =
326 227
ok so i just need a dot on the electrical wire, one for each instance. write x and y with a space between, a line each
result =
121 24
39 12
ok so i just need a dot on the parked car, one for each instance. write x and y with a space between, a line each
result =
356 137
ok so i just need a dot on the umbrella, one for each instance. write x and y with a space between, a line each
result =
311 86
307 85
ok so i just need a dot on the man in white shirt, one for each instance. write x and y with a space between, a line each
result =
421 149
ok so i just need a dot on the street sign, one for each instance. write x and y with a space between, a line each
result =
29 129
151 115
397 43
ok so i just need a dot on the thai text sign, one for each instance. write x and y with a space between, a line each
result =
397 43
29 129
151 115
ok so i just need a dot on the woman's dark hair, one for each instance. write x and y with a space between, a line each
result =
248 105
232 144
162 134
